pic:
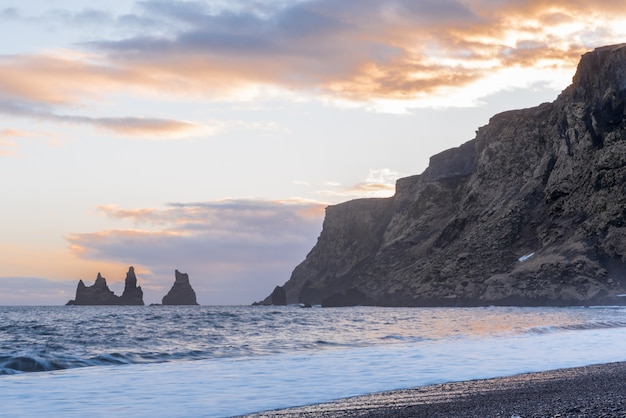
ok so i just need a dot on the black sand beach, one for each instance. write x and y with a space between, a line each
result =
592 391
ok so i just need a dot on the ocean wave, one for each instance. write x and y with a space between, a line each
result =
587 326
404 338
24 363
46 362
43 339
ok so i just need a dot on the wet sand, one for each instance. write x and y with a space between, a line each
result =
592 391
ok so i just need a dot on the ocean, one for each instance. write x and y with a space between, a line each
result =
220 361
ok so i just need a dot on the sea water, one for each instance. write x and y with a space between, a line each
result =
207 361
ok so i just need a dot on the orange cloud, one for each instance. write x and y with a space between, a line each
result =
57 79
365 51
358 51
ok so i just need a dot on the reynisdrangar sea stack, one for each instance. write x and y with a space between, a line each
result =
100 294
181 292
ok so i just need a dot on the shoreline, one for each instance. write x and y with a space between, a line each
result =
596 390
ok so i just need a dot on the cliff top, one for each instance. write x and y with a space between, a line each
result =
600 73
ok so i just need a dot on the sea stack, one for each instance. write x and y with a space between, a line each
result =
133 295
532 211
181 292
96 294
100 294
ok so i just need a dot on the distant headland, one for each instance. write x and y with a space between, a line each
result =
99 293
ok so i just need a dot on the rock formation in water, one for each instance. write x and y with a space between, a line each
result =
96 294
132 295
181 292
100 294
532 211
279 296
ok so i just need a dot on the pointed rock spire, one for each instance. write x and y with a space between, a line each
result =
181 292
100 294
133 295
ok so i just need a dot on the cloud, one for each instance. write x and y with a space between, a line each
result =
235 251
88 17
133 126
125 126
33 291
58 79
364 50
352 51
379 183
37 86
418 53
50 87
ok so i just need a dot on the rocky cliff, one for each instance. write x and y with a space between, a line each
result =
181 292
100 294
532 211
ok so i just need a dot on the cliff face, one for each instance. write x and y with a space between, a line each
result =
530 212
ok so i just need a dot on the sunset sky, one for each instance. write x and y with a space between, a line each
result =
209 136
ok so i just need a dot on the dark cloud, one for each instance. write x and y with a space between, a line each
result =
300 21
236 250
229 32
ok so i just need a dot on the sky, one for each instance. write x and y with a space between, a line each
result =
210 136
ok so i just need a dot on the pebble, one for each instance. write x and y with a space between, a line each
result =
591 391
